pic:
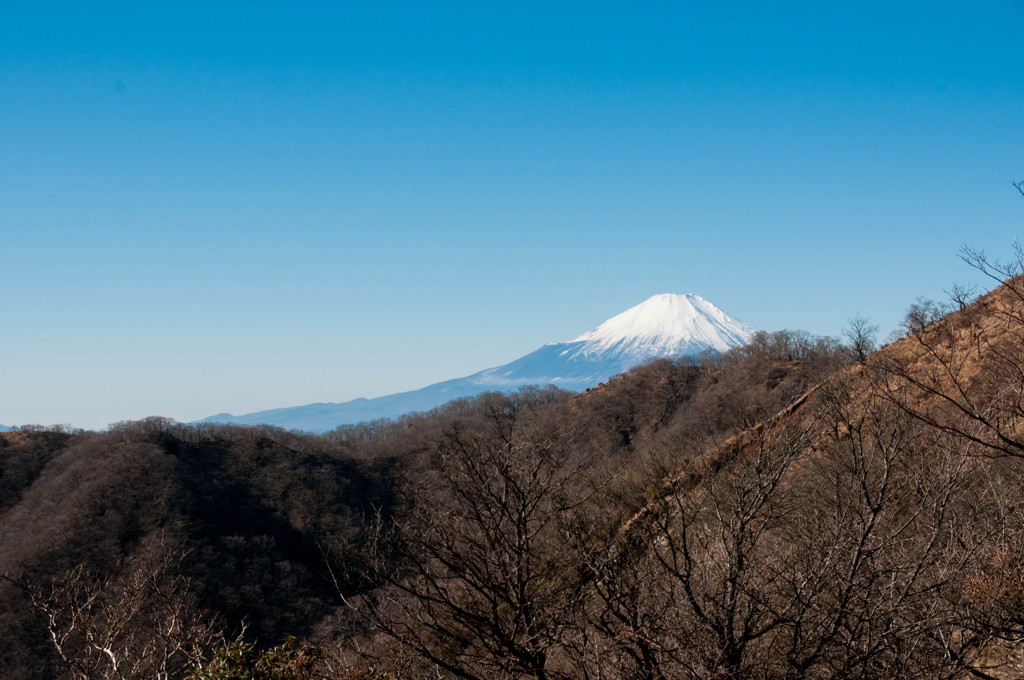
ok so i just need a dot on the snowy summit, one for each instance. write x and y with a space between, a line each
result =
663 326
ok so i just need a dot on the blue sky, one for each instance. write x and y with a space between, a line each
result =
233 206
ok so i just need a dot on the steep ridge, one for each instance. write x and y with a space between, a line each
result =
663 326
955 373
894 483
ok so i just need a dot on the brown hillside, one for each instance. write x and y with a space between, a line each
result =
896 478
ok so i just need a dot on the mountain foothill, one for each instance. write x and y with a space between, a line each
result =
789 506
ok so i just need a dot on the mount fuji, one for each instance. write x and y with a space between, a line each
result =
663 326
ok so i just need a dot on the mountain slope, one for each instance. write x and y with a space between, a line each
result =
665 325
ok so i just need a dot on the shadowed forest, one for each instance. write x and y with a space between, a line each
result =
797 508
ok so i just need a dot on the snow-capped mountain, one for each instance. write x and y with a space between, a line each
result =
665 325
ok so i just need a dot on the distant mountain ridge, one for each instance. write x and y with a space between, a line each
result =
663 326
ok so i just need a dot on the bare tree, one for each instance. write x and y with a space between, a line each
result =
876 551
964 372
484 585
711 547
861 336
830 542
138 623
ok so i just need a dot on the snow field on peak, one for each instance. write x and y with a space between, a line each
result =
665 325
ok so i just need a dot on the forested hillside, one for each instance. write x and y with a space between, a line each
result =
796 508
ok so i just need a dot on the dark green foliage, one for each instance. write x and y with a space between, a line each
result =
290 660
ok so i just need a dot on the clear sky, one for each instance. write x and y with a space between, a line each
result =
232 206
